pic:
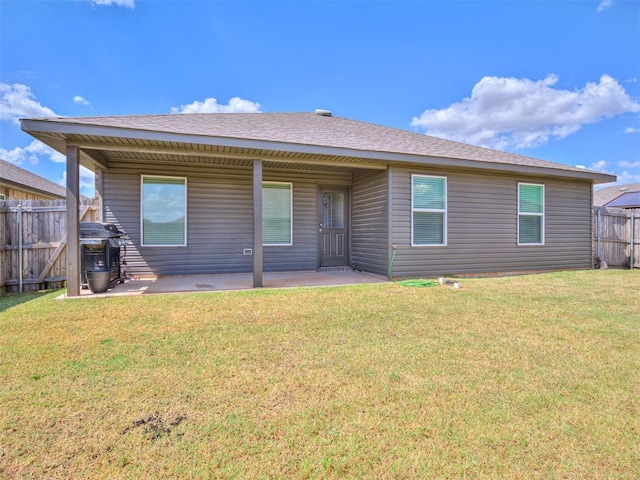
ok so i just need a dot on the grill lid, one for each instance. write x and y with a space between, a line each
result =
99 230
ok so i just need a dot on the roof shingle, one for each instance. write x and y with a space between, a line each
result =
12 174
603 196
310 129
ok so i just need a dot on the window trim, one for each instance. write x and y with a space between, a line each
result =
445 217
529 214
142 244
290 244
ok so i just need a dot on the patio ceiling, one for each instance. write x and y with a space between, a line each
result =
101 150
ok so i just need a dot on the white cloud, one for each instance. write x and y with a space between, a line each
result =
600 166
87 181
632 130
604 4
80 100
30 153
211 105
519 113
117 3
625 164
627 177
17 101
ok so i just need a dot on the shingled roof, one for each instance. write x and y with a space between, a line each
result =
15 177
276 131
603 196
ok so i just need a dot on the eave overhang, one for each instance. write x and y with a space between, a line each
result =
50 133
30 190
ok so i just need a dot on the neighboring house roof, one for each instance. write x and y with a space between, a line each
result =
301 133
603 196
20 179
626 200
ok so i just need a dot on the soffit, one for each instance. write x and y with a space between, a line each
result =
329 159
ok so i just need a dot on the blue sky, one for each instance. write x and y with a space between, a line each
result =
556 80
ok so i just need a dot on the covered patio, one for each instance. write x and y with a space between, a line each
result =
234 281
221 171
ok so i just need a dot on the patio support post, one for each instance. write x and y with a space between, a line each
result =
99 187
73 221
257 223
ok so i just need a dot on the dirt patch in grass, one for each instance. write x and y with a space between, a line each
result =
155 426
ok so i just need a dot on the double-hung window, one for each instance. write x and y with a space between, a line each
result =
530 214
164 211
277 213
428 210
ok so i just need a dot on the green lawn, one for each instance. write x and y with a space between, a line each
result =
516 377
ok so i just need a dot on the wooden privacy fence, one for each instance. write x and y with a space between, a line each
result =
616 236
32 243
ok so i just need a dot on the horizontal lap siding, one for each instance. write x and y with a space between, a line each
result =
369 237
219 219
482 226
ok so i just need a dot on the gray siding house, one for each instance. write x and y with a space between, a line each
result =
255 192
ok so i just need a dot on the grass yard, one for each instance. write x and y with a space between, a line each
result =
517 377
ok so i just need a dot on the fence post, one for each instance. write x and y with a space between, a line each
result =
598 220
632 260
19 213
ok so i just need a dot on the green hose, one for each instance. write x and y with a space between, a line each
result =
408 283
393 257
418 283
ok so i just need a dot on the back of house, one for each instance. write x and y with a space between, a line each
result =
254 192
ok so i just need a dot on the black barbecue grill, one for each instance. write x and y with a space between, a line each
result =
100 249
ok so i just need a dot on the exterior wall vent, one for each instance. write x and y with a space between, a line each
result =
323 113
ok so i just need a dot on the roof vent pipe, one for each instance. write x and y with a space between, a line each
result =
323 113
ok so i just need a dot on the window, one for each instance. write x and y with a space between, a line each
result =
276 214
428 210
530 214
333 209
164 211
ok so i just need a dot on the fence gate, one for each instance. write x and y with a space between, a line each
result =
32 243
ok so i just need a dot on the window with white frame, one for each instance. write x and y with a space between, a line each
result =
277 213
164 211
530 214
428 210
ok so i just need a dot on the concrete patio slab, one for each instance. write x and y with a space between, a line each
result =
234 281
